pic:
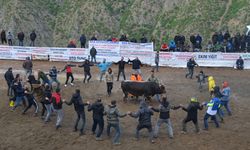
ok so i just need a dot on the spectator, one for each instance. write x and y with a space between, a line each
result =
172 46
193 41
243 43
93 53
144 39
198 40
3 37
240 63
93 38
32 38
27 65
136 63
133 40
248 42
227 36
220 38
72 44
10 39
164 47
215 38
123 38
20 37
83 41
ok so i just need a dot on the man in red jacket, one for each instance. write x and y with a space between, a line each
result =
69 73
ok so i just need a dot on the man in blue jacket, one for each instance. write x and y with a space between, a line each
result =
212 108
103 68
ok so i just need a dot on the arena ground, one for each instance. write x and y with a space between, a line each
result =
26 132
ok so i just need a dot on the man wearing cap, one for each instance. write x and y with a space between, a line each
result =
192 114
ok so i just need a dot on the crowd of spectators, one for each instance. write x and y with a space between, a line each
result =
220 42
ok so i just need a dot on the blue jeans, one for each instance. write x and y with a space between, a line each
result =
213 117
18 101
116 126
48 109
226 105
169 127
56 81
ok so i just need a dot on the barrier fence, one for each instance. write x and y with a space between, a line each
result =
112 51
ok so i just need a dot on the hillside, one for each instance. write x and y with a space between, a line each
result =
57 21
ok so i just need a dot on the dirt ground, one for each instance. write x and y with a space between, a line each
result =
26 132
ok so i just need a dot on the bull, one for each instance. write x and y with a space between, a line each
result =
146 89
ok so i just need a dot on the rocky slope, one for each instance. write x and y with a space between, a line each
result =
58 21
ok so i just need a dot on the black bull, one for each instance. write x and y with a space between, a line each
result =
146 89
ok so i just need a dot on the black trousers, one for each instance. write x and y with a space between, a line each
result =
188 119
123 73
9 92
31 103
69 74
86 73
43 109
80 115
190 73
109 87
100 124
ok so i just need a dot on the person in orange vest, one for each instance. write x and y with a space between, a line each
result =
138 77
135 77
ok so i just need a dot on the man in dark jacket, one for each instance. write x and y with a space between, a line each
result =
98 112
86 65
144 39
136 64
93 38
43 76
79 108
164 117
93 53
192 114
83 40
240 63
190 65
53 76
144 114
57 104
32 38
31 101
121 67
27 65
20 37
193 41
9 79
3 37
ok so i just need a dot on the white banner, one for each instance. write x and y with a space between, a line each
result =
106 49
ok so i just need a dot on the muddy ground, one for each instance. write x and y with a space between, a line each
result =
26 132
